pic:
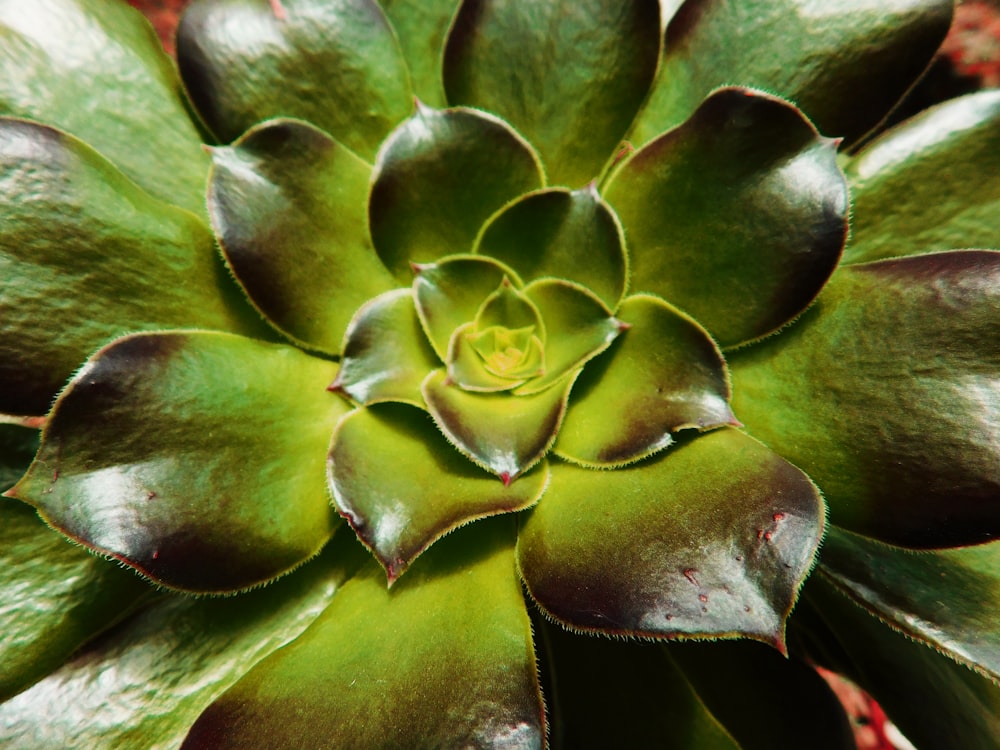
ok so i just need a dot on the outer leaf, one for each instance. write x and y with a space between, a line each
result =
143 683
195 457
18 443
569 75
86 255
887 394
823 56
398 669
53 598
449 294
945 598
927 185
422 26
741 683
504 434
385 354
288 204
622 694
431 490
439 176
96 69
738 216
335 63
712 540
663 375
568 235
934 701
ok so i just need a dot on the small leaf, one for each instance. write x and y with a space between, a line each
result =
738 216
385 355
662 375
439 176
927 185
194 457
569 75
504 434
335 63
143 683
449 293
96 69
712 540
562 234
844 64
87 255
398 669
946 598
288 204
887 393
431 490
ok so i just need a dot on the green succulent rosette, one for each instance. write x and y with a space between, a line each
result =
392 353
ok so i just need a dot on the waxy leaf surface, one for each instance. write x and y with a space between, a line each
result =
335 63
614 693
288 204
54 596
742 683
927 185
96 69
887 393
397 669
386 355
712 539
439 176
87 251
143 683
946 598
421 26
738 216
431 489
565 234
662 375
568 74
935 702
844 62
168 453
504 434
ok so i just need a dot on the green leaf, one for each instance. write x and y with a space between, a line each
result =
946 598
386 355
194 457
289 206
449 293
473 357
143 684
564 234
431 490
662 375
887 393
614 693
85 256
927 185
745 684
421 26
335 63
503 433
96 69
845 63
738 216
578 327
53 598
399 669
439 176
18 444
569 75
710 540
935 702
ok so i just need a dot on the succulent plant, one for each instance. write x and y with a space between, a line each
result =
505 326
